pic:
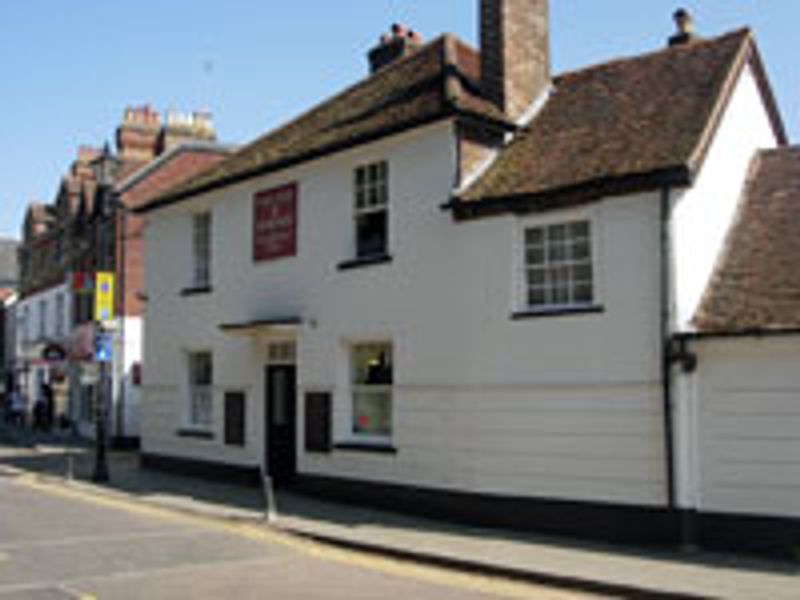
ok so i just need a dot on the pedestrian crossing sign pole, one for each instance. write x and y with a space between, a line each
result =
103 315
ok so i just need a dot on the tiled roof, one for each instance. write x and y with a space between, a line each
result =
168 170
756 286
439 80
622 121
128 168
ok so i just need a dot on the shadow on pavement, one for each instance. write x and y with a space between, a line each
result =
49 455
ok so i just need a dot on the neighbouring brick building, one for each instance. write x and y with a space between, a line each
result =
89 228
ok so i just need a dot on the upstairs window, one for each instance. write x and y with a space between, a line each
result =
42 319
201 377
24 323
372 378
558 266
201 226
60 315
371 189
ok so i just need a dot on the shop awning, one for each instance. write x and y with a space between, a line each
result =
262 326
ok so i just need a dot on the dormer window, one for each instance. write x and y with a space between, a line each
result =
371 190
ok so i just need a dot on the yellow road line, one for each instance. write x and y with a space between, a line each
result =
389 566
3 557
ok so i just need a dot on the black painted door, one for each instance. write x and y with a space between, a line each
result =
281 423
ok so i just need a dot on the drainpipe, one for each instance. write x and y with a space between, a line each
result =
666 335
687 362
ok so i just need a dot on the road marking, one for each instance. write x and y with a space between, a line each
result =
389 566
76 594
3 557
71 586
112 539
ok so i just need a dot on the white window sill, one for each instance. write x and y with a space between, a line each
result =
195 432
371 445
557 311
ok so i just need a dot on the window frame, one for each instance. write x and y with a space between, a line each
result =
363 207
202 257
369 439
60 315
43 308
521 305
190 413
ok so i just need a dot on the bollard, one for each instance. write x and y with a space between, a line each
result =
270 508
70 465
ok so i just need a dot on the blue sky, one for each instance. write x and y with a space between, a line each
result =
70 67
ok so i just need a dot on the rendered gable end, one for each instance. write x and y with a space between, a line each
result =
703 214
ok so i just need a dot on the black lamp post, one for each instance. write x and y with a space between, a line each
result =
108 204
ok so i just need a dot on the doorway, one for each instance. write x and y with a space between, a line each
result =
281 417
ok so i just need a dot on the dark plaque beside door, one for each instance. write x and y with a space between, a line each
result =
234 419
318 422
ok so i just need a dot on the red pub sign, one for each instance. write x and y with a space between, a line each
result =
275 223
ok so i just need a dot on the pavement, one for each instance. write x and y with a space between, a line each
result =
62 543
608 571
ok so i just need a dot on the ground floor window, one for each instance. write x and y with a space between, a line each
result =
371 384
200 390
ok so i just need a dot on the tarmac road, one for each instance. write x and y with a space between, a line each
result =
57 543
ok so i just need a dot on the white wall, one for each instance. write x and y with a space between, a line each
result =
749 425
564 407
703 214
128 351
32 304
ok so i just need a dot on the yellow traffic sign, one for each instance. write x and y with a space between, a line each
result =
104 297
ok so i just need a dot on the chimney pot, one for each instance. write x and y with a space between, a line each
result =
684 23
683 19
399 43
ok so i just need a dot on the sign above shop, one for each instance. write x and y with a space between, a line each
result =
83 282
275 223
54 353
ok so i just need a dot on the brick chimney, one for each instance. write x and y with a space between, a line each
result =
180 128
82 166
400 42
515 53
137 136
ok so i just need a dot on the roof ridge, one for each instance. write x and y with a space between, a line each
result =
381 74
724 96
742 31
145 169
451 87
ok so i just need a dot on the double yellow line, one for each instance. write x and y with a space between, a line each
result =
388 566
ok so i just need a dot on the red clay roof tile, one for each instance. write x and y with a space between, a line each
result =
627 118
756 285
